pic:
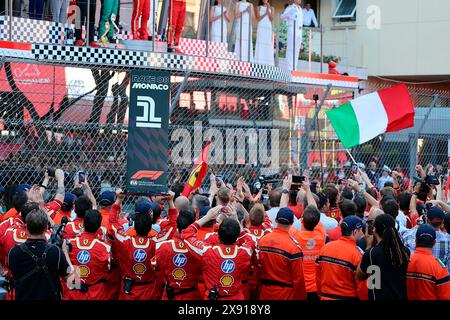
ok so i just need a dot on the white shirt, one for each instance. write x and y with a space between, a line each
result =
291 14
308 17
328 223
383 180
401 218
272 213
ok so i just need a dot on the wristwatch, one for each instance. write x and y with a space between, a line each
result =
285 191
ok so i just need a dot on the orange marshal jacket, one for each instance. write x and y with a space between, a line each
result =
281 260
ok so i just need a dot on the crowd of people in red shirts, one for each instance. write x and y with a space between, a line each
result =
344 241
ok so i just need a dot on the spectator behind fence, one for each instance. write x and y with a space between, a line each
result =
36 265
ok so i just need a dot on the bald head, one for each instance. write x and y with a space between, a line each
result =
374 212
182 203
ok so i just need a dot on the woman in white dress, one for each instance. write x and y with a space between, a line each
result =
264 53
218 20
243 14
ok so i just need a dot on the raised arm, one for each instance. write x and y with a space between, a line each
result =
287 182
59 176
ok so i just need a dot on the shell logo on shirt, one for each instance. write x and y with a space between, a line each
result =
139 268
83 271
140 255
179 274
226 281
83 257
227 266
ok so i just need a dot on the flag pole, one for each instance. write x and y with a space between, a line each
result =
351 157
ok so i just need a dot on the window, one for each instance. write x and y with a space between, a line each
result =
345 9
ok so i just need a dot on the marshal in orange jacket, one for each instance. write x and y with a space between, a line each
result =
336 271
427 277
281 267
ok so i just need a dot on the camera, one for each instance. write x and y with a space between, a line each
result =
81 177
297 182
57 235
51 172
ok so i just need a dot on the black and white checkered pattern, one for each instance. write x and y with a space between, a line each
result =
129 58
31 31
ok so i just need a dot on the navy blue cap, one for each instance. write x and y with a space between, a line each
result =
107 198
203 211
69 198
23 187
285 216
351 223
143 206
435 215
425 233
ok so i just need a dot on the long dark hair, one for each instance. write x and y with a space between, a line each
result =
394 251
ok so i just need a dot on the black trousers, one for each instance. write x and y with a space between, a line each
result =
83 4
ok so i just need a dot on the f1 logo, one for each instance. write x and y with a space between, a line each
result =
148 118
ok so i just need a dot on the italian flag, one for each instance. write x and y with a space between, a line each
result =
366 117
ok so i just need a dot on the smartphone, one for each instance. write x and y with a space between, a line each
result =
81 177
51 172
219 181
298 179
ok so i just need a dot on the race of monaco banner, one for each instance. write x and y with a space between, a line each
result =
148 132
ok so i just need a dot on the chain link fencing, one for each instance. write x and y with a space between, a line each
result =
76 118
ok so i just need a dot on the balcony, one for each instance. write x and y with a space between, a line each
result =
48 41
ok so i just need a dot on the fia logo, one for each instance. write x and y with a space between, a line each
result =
179 260
227 266
148 118
140 255
83 257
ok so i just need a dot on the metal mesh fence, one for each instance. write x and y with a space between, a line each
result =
76 118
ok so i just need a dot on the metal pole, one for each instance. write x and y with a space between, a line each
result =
10 19
250 40
240 38
153 25
87 20
305 137
310 51
321 48
222 18
294 52
208 5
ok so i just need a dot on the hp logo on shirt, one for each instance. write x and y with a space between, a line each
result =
83 257
140 255
227 266
179 260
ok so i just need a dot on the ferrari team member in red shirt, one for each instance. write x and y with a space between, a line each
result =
427 277
180 268
135 253
225 265
91 257
260 223
338 262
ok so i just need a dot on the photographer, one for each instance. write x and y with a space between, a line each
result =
37 266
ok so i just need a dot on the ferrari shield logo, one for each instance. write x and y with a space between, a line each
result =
228 250
181 244
85 242
141 240
193 177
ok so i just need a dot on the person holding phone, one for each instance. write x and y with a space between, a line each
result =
390 256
